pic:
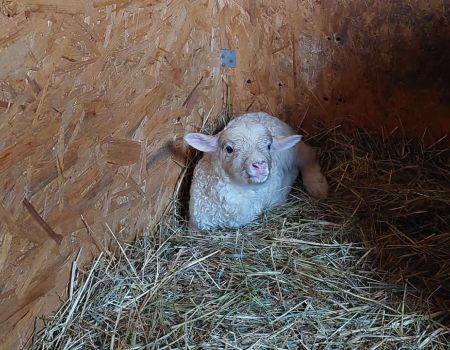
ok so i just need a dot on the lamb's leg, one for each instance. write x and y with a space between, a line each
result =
315 183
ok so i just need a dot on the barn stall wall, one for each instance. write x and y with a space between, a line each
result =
95 94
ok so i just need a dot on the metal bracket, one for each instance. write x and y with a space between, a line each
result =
228 58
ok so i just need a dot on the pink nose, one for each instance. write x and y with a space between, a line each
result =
259 165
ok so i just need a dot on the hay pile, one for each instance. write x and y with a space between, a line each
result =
367 268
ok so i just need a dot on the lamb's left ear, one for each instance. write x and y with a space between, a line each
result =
202 142
281 143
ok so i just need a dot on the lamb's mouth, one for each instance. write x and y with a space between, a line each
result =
256 179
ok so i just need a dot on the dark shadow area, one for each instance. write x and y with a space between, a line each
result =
379 63
392 68
397 193
193 157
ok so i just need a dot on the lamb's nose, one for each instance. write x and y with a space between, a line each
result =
259 165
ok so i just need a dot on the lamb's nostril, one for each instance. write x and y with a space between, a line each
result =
258 165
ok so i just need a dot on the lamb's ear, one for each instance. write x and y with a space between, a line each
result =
202 142
281 143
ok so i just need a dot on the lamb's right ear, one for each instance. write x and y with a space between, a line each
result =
202 142
281 143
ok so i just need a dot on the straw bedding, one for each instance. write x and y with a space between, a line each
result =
368 268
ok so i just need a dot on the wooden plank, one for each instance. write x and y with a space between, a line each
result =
122 151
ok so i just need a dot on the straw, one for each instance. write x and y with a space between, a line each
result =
367 268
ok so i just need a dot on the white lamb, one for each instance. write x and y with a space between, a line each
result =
248 167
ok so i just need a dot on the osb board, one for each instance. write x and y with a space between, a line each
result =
92 96
379 63
93 93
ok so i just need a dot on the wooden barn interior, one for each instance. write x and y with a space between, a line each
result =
96 94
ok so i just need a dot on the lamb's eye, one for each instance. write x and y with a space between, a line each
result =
268 146
229 149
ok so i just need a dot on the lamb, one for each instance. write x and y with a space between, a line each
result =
248 167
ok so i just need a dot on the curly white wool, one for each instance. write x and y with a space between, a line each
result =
248 167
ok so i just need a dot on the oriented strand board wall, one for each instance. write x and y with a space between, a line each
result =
374 62
92 94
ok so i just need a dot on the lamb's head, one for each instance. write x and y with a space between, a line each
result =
244 151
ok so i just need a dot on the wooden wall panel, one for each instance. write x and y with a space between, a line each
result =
93 94
378 63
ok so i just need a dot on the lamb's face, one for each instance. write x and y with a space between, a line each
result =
244 150
244 153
